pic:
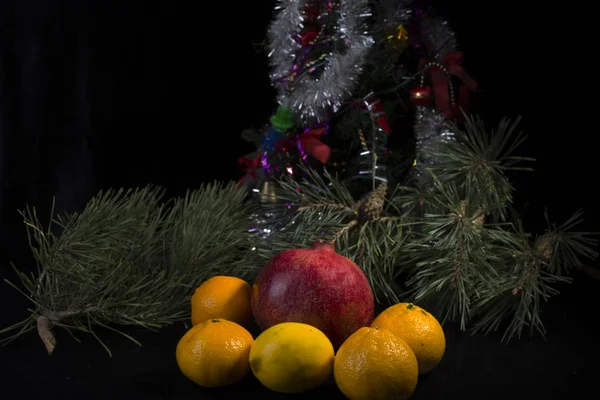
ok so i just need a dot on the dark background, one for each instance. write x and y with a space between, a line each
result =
100 94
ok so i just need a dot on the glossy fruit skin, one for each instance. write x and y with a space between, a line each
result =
314 286
419 328
226 297
214 353
292 358
374 364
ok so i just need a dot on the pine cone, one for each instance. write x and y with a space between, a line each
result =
477 219
544 247
371 207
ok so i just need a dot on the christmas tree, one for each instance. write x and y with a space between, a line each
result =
371 147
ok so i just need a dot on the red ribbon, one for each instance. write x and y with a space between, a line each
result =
440 82
249 166
311 142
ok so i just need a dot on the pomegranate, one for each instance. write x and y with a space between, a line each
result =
314 286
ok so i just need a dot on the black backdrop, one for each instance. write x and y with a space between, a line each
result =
99 94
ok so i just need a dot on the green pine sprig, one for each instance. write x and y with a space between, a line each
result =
480 159
129 258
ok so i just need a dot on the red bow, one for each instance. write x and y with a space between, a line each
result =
440 83
311 142
249 166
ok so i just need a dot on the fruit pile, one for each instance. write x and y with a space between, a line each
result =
315 309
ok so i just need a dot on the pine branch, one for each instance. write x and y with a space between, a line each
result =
375 246
470 267
129 259
366 231
480 159
564 247
463 259
530 272
317 199
453 253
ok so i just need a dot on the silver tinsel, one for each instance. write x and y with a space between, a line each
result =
372 165
392 13
266 223
438 37
270 219
431 130
313 98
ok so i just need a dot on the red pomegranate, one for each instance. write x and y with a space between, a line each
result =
314 286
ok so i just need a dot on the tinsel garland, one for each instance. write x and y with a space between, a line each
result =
312 97
438 37
374 148
431 131
391 13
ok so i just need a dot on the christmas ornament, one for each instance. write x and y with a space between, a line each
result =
398 39
271 138
309 36
267 192
315 286
283 119
421 96
281 122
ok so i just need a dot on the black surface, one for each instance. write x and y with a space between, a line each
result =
474 367
99 94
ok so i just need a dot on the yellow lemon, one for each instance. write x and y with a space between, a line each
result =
214 353
291 357
375 364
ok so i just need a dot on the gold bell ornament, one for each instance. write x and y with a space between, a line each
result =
267 192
